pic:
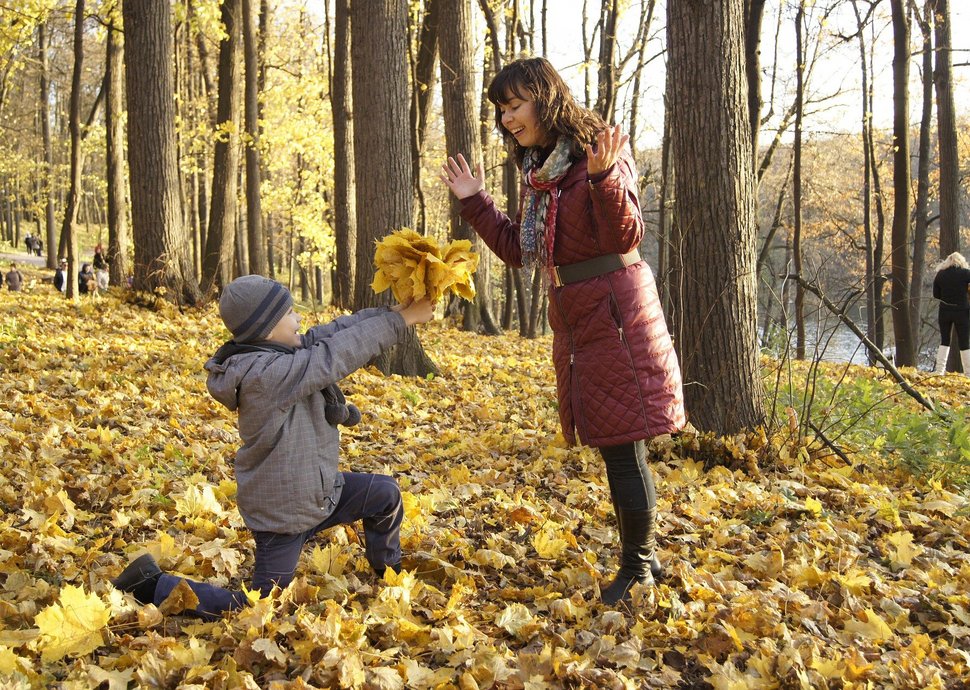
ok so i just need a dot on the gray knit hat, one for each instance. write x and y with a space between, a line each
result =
251 306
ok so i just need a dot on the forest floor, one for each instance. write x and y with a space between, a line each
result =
787 566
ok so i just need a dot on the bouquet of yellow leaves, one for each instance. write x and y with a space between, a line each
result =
415 267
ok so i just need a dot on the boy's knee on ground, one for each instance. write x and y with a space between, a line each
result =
385 495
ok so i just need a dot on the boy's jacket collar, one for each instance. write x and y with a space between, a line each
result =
233 348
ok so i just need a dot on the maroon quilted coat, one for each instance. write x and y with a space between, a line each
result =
617 373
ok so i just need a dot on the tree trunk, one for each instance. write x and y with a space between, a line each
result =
905 349
159 233
68 229
45 126
345 207
254 207
423 78
797 182
268 228
647 16
872 263
754 11
606 94
718 346
879 278
667 272
218 260
947 133
385 201
921 213
458 103
119 237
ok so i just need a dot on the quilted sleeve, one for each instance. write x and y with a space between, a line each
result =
616 209
494 227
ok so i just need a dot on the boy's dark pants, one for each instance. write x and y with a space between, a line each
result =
373 498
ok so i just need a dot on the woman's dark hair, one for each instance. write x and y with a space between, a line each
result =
535 79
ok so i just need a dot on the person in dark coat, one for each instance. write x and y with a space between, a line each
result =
15 279
86 283
618 378
951 286
99 261
60 277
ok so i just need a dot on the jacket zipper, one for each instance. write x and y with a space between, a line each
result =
575 399
629 353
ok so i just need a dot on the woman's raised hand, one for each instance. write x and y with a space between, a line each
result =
460 179
609 143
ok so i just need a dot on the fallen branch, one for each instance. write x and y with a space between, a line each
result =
875 351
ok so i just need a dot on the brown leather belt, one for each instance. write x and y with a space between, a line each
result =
597 266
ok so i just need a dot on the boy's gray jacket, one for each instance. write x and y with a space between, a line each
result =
286 470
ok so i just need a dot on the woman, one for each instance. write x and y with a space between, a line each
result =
950 287
617 374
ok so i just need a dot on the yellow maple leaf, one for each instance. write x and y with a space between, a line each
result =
548 543
196 503
72 625
181 598
514 618
9 661
814 506
874 628
331 559
902 543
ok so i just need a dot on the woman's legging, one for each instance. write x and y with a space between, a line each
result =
630 478
961 320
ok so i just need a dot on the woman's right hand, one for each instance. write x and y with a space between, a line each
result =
460 179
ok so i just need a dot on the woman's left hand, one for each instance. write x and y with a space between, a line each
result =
609 143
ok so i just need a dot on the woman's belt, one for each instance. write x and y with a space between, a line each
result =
597 266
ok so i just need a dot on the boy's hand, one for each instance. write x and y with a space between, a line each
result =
420 311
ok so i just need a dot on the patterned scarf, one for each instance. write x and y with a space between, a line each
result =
540 202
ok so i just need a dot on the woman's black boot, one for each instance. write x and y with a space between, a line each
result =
638 553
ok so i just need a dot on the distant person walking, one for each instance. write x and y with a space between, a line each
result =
951 287
15 279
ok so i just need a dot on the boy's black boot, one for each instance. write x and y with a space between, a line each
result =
140 578
396 567
638 553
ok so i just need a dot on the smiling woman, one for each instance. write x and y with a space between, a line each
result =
617 374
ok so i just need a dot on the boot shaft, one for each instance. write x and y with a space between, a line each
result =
941 356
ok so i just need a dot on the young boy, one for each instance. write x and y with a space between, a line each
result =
283 385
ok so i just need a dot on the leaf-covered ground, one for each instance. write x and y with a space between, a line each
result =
808 572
